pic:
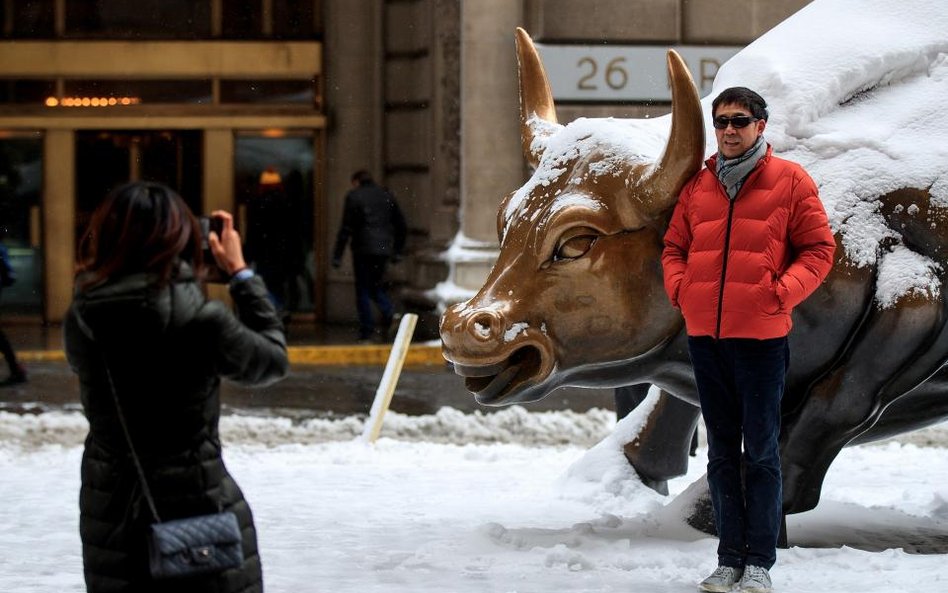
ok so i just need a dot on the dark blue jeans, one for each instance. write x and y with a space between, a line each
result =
740 384
369 277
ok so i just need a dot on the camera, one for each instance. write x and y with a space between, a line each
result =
214 272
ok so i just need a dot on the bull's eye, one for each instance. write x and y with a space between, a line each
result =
574 245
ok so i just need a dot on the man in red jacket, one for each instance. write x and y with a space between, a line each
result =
748 241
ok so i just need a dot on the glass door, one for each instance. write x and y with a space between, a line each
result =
21 177
274 189
106 159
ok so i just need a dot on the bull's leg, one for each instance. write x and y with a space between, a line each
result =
921 407
660 452
847 400
628 397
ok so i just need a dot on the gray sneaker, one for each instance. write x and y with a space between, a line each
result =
756 579
721 580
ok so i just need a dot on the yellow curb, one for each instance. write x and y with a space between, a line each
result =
371 355
41 355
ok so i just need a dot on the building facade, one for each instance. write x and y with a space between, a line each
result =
223 99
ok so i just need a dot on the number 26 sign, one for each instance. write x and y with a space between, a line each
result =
614 73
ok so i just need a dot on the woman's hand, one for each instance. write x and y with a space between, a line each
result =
227 249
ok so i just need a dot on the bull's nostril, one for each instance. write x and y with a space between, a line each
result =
485 325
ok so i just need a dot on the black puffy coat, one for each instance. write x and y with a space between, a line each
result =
166 349
372 218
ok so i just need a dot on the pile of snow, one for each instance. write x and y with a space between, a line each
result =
856 90
448 425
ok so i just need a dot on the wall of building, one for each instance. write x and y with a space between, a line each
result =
450 109
424 94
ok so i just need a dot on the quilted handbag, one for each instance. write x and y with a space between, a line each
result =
195 545
186 547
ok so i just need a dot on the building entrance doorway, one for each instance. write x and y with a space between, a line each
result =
106 159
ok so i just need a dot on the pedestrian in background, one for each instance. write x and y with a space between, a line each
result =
7 278
140 330
748 241
374 223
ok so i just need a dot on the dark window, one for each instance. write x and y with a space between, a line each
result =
139 19
293 20
26 91
242 19
106 159
21 177
145 91
267 91
28 19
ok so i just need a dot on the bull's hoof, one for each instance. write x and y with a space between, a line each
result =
799 495
660 486
693 507
702 515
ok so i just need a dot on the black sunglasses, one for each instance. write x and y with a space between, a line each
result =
738 121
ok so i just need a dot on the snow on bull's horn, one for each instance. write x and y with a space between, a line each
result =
682 154
537 111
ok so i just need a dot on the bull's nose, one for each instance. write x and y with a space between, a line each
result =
485 325
472 331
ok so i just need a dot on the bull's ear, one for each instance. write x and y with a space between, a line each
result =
685 149
537 111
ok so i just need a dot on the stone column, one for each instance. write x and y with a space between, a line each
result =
491 160
218 190
353 92
59 221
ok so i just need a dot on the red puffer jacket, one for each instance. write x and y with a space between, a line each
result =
736 269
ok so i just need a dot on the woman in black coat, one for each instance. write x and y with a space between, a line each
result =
139 314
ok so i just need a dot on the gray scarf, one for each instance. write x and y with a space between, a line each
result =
733 172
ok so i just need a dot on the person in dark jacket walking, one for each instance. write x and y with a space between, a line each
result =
374 222
748 241
139 315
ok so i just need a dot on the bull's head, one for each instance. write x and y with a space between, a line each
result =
578 283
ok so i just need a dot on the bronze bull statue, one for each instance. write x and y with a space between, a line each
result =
576 298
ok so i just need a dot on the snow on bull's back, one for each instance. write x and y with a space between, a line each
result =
855 90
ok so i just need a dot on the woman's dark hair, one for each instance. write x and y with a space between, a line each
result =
744 97
139 227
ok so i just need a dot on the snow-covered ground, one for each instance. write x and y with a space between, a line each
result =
484 503
519 502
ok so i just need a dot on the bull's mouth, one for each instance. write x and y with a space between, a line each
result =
491 383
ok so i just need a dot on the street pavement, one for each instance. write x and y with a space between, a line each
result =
325 380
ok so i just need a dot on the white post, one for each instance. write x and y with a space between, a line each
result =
393 368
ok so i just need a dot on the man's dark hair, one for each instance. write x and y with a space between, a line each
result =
362 176
744 97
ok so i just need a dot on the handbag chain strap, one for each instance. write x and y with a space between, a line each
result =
128 438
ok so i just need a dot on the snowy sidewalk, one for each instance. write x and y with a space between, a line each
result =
413 516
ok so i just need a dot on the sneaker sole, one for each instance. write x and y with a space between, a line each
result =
715 588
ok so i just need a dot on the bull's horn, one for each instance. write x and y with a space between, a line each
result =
536 98
685 149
